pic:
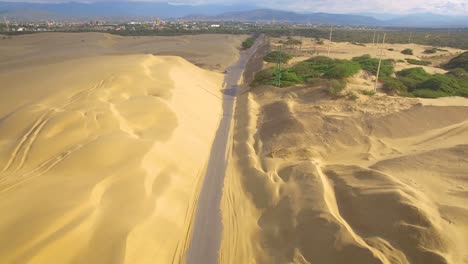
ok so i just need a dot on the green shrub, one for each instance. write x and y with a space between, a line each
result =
342 69
430 51
246 44
336 86
276 56
291 41
264 77
368 92
418 62
393 86
459 73
371 64
441 83
461 61
412 77
425 93
407 52
289 78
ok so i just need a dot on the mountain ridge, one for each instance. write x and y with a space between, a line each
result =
217 12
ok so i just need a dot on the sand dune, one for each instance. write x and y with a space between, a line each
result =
94 158
378 180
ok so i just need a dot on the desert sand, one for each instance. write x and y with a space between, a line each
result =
214 52
103 148
315 179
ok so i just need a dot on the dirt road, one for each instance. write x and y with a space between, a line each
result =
207 230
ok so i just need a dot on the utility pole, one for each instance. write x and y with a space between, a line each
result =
380 63
6 24
373 39
278 69
329 44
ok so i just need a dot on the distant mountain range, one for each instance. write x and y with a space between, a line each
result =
283 16
131 10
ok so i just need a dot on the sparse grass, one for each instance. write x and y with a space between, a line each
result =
418 62
291 41
358 44
351 95
368 92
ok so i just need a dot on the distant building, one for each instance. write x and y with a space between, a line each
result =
215 26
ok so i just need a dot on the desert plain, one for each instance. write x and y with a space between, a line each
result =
104 142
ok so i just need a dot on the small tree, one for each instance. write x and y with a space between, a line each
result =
407 52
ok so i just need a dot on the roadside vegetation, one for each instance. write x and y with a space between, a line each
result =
310 71
246 44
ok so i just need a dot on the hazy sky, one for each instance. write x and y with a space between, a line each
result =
352 6
338 6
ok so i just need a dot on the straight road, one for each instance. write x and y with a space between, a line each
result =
207 229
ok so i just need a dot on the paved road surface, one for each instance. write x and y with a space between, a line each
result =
207 229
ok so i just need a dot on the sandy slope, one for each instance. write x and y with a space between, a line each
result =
101 157
319 180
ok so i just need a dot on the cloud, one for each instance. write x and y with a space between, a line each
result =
378 6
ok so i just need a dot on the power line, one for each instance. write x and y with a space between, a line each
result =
380 62
278 68
329 44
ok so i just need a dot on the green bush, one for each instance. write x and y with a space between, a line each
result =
431 51
459 73
342 69
407 52
326 67
368 92
461 61
425 93
264 77
418 62
336 86
371 64
393 86
412 77
291 41
441 83
246 44
276 56
289 78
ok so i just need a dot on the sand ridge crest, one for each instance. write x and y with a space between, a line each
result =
103 155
